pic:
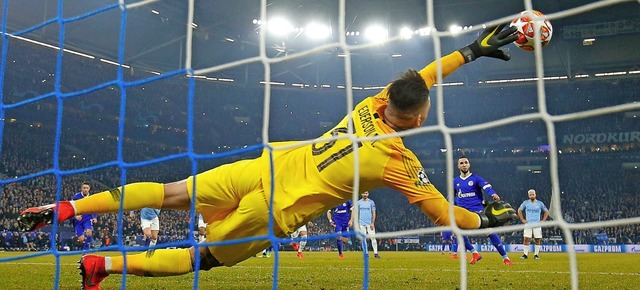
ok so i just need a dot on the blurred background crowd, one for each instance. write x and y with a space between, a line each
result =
89 140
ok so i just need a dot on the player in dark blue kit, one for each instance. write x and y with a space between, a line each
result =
341 219
447 239
84 223
469 190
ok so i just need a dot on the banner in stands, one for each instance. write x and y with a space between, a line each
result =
602 138
552 248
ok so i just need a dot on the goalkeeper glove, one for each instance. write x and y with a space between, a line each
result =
489 43
497 213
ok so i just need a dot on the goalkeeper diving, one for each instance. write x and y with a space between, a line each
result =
308 180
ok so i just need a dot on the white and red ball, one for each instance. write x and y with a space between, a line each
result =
527 23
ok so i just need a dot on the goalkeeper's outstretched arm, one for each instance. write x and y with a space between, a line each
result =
496 213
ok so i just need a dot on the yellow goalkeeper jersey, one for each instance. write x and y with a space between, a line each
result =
310 179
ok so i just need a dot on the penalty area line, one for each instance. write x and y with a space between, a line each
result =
371 269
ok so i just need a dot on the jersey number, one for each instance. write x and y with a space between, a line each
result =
336 155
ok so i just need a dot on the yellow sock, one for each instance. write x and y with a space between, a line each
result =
138 195
158 263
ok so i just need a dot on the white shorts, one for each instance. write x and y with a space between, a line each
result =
297 232
153 224
201 223
537 233
367 230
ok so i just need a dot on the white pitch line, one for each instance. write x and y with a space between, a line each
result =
39 264
375 269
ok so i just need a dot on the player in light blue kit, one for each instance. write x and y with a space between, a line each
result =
202 229
366 221
469 190
300 234
150 224
84 223
532 208
341 219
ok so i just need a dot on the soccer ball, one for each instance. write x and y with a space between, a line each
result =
527 23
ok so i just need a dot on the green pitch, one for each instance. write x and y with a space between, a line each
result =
323 270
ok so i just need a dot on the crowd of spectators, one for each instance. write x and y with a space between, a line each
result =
595 185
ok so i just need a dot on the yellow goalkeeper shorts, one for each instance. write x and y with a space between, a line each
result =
232 201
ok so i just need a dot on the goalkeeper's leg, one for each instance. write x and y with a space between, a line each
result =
159 263
162 262
250 218
133 196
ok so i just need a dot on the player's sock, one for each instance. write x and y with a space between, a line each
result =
152 242
497 242
80 242
303 243
501 250
525 250
162 262
468 245
464 219
138 195
454 247
87 242
536 249
65 211
374 245
339 245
